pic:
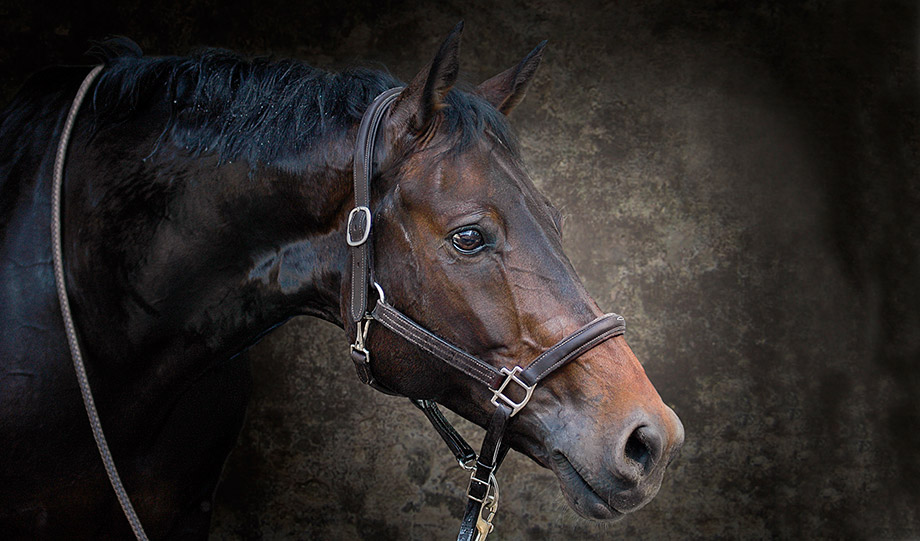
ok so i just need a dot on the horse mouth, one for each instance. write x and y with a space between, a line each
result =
582 497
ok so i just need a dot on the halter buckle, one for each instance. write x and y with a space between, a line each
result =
476 485
498 394
357 226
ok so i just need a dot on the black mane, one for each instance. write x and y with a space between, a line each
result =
257 109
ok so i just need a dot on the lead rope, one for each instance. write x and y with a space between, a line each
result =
57 255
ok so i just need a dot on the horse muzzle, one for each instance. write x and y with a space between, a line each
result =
606 481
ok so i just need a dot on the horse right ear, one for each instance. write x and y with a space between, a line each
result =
506 90
417 105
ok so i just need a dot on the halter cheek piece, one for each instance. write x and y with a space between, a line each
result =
511 389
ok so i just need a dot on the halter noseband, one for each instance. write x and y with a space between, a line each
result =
511 389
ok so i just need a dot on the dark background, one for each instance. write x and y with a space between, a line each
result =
739 178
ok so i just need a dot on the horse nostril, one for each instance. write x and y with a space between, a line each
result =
644 448
637 451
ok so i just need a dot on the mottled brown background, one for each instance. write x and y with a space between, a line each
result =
739 178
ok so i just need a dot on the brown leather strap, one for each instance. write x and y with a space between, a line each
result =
362 360
461 450
400 324
482 482
572 346
359 219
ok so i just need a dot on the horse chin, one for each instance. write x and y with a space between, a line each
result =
585 498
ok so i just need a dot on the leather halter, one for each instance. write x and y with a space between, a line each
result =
511 389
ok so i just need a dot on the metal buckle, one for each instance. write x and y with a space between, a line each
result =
488 485
499 395
367 226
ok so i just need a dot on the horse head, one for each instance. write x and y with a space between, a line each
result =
205 202
467 246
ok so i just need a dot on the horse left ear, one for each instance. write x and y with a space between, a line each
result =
506 90
419 102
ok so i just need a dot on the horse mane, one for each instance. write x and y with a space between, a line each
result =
258 109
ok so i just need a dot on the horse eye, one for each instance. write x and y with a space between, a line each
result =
468 241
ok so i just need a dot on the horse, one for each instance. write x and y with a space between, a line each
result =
206 200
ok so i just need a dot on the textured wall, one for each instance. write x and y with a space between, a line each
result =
740 179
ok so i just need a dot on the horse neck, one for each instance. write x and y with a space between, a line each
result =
187 260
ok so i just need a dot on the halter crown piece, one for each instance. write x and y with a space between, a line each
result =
511 389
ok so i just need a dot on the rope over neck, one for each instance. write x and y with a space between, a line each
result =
58 258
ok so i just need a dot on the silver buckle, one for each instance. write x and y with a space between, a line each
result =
497 394
469 465
367 226
488 484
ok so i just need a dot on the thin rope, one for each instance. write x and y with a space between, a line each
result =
85 390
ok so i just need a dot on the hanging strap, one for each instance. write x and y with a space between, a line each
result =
482 493
73 343
461 450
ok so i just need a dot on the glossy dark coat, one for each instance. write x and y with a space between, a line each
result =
186 240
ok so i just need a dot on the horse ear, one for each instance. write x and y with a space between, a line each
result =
417 104
506 90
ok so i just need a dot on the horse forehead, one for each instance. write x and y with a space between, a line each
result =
500 177
482 173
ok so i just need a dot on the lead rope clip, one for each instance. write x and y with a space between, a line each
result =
487 512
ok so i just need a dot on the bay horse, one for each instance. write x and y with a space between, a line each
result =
207 200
